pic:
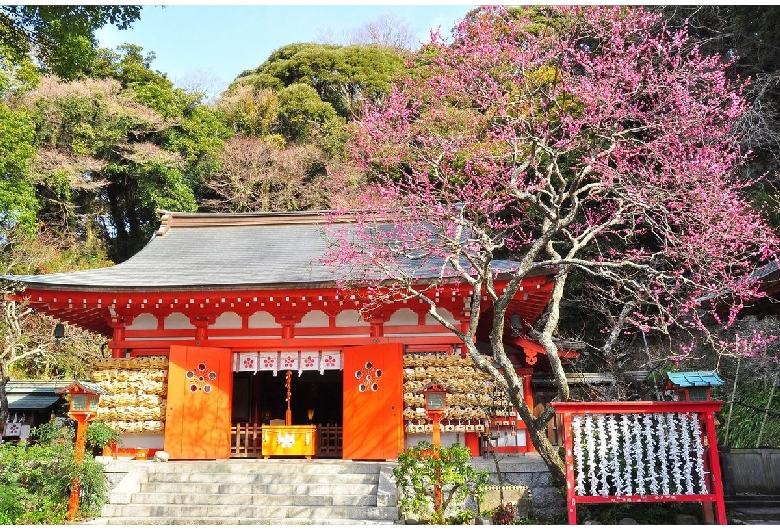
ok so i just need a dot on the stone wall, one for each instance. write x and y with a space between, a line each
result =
527 470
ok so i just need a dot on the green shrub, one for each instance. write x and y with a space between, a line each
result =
10 509
748 422
423 469
99 435
36 477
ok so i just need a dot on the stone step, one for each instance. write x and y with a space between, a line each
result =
243 500
303 467
258 492
238 477
249 512
127 521
757 501
274 488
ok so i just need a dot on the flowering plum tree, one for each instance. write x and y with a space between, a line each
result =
585 139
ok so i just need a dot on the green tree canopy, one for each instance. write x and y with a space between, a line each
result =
344 76
60 37
115 148
250 110
18 205
302 112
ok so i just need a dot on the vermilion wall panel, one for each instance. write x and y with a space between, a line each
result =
373 402
197 423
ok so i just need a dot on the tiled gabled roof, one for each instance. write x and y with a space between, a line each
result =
202 250
767 270
193 251
33 394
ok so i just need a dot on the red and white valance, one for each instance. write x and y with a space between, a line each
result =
298 361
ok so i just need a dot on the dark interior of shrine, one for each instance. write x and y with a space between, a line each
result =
261 397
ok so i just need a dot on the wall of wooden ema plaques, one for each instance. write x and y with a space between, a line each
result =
474 398
137 386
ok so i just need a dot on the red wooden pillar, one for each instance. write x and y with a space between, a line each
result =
377 326
568 444
201 323
471 440
119 336
528 397
717 483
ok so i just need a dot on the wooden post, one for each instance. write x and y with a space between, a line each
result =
288 415
78 459
438 497
714 461
436 419
571 503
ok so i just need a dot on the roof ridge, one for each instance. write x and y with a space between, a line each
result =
169 219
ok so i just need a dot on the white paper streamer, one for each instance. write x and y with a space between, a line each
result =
638 454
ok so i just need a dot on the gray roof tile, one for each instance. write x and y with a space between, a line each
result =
222 251
209 255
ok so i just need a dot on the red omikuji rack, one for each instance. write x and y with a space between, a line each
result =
642 451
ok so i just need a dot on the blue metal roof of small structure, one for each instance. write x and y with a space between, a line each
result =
26 394
22 402
688 379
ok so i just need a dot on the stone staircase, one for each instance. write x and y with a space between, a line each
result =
277 492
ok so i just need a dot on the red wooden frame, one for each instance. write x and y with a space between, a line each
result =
705 411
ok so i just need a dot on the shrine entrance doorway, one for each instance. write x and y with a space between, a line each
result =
262 415
358 411
261 397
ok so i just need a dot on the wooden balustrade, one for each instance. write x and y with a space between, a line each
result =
330 441
246 440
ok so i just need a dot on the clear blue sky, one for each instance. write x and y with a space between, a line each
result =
208 46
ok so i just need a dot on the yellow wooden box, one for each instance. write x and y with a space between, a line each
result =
289 440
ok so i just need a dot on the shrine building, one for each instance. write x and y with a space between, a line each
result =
229 337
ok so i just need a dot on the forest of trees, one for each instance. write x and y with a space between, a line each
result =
93 142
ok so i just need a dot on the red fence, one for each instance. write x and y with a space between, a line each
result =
642 451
